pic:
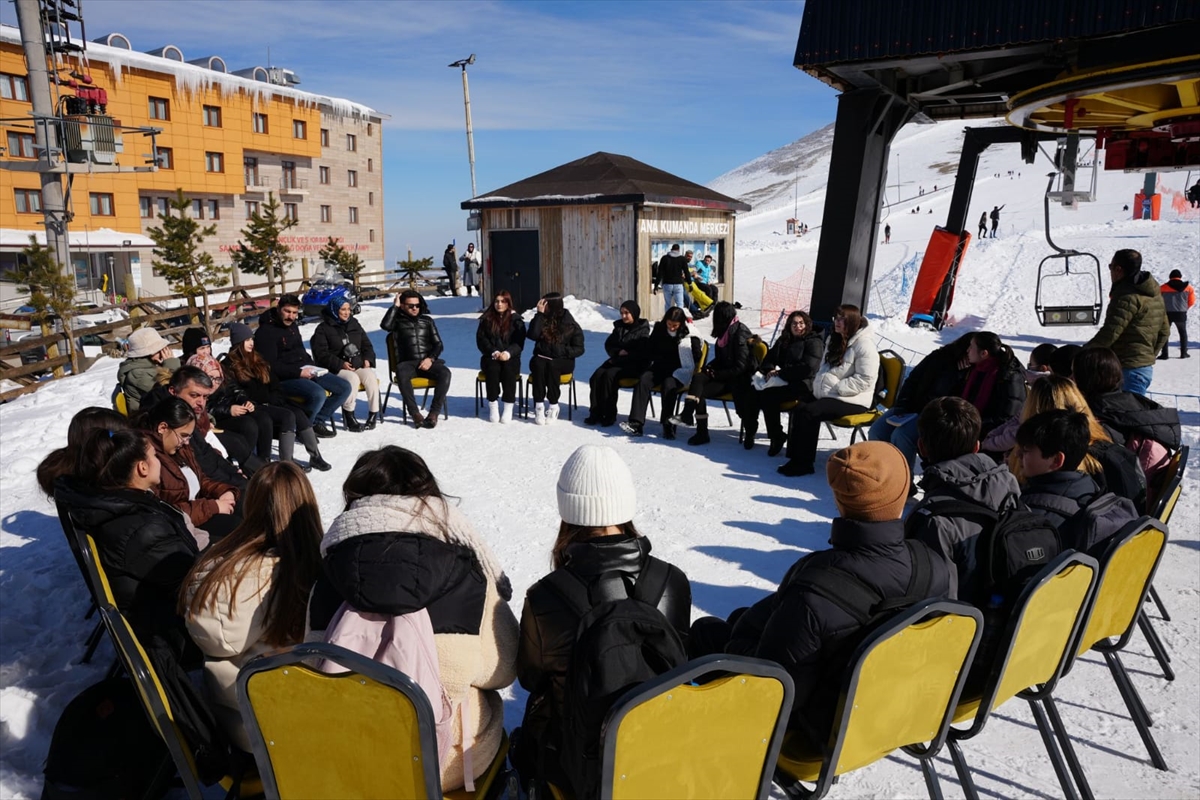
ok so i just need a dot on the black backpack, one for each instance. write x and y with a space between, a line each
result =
1091 526
104 747
1123 475
622 640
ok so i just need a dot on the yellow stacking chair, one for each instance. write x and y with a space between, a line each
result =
901 688
118 401
1032 654
366 733
158 708
1163 505
892 365
74 543
1127 568
566 379
481 382
629 383
758 352
417 383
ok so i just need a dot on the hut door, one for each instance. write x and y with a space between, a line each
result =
516 266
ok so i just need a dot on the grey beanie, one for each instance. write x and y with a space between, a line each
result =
238 333
595 488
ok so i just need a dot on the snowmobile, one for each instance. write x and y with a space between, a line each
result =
329 287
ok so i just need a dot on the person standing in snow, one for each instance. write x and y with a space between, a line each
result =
996 219
470 262
672 275
450 265
1178 296
1135 325
983 225
887 234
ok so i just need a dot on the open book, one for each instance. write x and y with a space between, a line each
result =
760 382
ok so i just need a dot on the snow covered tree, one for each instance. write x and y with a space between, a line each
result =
178 257
262 253
51 294
345 262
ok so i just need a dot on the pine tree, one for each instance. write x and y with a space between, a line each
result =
51 294
178 257
345 262
262 253
412 268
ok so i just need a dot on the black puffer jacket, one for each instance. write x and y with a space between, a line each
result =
1059 495
490 342
414 338
238 392
281 345
802 630
936 375
797 361
662 348
548 628
329 342
732 362
568 343
1125 414
633 339
1006 399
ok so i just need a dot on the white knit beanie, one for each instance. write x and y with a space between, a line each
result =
595 488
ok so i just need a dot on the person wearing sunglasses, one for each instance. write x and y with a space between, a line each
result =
414 339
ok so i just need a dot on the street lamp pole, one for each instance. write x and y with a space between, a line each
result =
463 64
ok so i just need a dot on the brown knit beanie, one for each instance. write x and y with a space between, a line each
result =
870 481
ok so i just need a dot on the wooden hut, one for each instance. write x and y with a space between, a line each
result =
594 227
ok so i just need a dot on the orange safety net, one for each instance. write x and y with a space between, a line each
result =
787 295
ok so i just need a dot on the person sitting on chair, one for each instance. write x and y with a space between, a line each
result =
729 371
557 342
148 353
418 347
342 346
627 358
500 338
672 363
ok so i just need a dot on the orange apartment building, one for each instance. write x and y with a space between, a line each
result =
228 140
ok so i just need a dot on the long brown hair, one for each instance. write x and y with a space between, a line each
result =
282 518
62 461
552 318
852 323
247 367
569 534
500 323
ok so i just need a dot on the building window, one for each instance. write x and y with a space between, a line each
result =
260 123
20 145
160 108
214 209
370 198
212 116
326 214
324 173
289 175
214 162
370 129
250 166
299 129
164 205
324 137
14 87
251 208
101 204
353 215
29 201
146 206
351 177
166 158
351 142
291 211
198 209
371 235
370 165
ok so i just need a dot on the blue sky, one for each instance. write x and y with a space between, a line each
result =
696 88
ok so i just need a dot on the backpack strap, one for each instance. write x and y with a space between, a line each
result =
651 584
920 579
844 589
571 590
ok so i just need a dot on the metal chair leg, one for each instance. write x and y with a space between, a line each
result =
92 642
1068 749
932 784
1060 768
1158 603
92 609
1156 646
1137 710
964 771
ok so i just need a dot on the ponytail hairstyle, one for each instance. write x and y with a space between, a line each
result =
83 424
173 411
107 459
852 323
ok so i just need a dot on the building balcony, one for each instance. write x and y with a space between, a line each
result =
293 186
257 185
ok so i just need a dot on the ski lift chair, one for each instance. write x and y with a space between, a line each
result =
1062 314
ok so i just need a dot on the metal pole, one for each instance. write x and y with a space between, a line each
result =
33 41
470 132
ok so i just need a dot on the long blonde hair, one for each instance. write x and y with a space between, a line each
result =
1056 392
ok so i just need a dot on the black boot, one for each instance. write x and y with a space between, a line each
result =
414 414
287 449
668 430
324 431
701 434
435 411
315 461
253 464
688 415
749 430
370 423
351 422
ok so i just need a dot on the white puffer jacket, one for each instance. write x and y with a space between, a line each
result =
854 379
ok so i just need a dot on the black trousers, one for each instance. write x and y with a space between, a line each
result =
1179 320
670 387
604 388
545 374
768 402
251 434
805 427
438 371
704 386
500 378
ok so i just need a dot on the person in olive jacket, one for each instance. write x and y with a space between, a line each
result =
500 338
1135 326
729 371
597 538
793 360
627 358
557 342
414 342
340 345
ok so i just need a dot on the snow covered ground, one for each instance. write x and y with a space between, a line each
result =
719 512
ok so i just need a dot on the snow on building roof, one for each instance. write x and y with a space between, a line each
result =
99 239
192 79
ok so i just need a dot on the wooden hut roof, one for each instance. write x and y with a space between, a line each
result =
605 178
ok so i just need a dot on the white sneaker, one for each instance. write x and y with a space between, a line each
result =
506 413
552 413
493 411
539 415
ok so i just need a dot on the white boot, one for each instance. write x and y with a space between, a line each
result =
493 411
539 414
551 412
506 413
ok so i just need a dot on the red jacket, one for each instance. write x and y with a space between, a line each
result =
173 489
1178 296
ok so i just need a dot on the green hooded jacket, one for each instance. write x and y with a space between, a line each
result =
1136 326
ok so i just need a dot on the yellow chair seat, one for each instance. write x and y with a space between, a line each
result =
423 383
966 710
855 420
797 759
627 383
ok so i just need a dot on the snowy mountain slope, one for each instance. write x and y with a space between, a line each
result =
719 512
